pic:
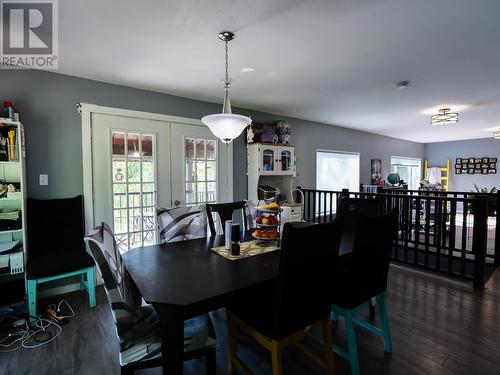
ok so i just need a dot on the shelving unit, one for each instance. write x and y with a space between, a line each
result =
276 227
12 203
270 165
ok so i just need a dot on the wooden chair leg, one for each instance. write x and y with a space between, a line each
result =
327 346
232 343
276 358
384 320
32 300
210 363
82 281
91 286
351 343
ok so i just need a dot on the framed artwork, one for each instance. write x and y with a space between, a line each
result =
484 165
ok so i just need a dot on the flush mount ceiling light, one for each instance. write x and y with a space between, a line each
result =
226 126
496 135
444 117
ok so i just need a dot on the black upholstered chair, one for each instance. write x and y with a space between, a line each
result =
225 212
137 326
56 249
363 205
277 314
361 275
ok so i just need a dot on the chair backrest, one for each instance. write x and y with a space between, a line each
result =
365 205
119 287
55 225
181 223
308 253
225 212
373 244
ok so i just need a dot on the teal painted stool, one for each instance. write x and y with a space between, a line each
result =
88 284
351 354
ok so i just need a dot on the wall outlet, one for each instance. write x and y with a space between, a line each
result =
44 179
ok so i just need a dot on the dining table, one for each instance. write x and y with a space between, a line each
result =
185 279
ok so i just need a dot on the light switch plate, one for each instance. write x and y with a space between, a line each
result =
44 179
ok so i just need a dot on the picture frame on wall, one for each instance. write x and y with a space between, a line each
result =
486 160
493 165
493 160
458 171
470 171
492 171
484 171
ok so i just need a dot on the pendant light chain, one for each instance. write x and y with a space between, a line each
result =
227 66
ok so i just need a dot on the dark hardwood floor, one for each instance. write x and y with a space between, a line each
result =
438 327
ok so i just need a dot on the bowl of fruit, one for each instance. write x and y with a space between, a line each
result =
271 207
266 235
266 221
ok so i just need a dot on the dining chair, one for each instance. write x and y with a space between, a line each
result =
137 326
181 223
225 211
286 310
55 230
360 276
363 205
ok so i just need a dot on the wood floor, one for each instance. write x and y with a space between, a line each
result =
438 327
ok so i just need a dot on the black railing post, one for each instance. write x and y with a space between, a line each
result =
497 231
480 237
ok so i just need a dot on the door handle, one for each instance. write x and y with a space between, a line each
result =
177 202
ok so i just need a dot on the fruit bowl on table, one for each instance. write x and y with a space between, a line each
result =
267 225
265 239
266 235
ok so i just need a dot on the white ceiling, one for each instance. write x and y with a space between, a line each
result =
334 62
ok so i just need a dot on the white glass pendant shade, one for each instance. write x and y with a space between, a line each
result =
225 125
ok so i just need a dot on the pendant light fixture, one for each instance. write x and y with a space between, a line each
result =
444 117
496 135
226 126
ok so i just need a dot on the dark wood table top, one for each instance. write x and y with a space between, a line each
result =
188 272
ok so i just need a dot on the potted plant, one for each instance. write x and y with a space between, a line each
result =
492 199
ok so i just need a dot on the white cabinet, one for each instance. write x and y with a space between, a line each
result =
270 165
273 159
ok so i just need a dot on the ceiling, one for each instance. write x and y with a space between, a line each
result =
333 62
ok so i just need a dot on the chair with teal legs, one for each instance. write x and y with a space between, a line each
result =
56 249
362 275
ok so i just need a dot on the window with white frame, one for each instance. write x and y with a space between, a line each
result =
408 169
336 171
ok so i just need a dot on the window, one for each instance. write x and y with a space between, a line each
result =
201 174
134 191
336 171
408 169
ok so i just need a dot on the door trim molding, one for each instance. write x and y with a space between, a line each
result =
86 110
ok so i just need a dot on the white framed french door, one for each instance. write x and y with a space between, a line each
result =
199 166
137 161
128 155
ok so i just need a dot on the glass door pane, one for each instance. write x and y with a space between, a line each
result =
200 171
268 160
134 189
286 160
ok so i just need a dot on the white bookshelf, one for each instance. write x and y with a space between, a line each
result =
13 171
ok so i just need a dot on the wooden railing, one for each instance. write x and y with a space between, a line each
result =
436 231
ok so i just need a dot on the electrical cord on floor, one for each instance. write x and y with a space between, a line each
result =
21 335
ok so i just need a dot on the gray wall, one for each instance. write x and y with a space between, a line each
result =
308 137
437 154
53 130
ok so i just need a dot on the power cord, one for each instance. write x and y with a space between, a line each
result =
22 336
